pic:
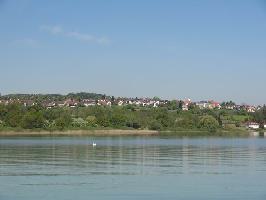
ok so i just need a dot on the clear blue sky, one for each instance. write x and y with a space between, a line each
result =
167 48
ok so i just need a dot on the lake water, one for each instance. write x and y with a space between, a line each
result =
69 168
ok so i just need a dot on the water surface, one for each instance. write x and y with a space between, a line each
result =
132 168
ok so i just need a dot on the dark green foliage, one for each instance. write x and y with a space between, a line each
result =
173 105
33 119
3 112
186 120
164 118
102 116
208 122
228 104
85 95
54 97
52 114
169 117
14 115
134 125
260 116
63 121
155 125
118 119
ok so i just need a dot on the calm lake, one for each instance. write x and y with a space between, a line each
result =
70 168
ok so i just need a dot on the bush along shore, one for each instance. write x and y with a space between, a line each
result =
17 118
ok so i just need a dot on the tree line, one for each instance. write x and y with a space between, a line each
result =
169 118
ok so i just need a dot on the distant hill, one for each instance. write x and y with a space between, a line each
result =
55 97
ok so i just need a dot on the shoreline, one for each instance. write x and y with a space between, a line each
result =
112 132
122 132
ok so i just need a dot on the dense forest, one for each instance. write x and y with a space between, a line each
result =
16 116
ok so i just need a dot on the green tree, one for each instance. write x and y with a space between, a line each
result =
63 121
118 120
33 120
162 116
14 115
102 116
155 125
156 98
186 120
180 105
172 105
91 120
79 123
3 112
260 116
208 122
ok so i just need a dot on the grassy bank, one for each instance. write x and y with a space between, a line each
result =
195 133
106 132
122 132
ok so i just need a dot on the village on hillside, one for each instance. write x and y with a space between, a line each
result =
74 100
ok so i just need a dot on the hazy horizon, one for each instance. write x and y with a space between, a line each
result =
171 49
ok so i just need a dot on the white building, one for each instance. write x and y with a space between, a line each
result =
156 104
120 103
184 107
253 125
89 102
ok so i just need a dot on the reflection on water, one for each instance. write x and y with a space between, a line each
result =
143 167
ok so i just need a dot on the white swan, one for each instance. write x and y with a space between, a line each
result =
94 144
